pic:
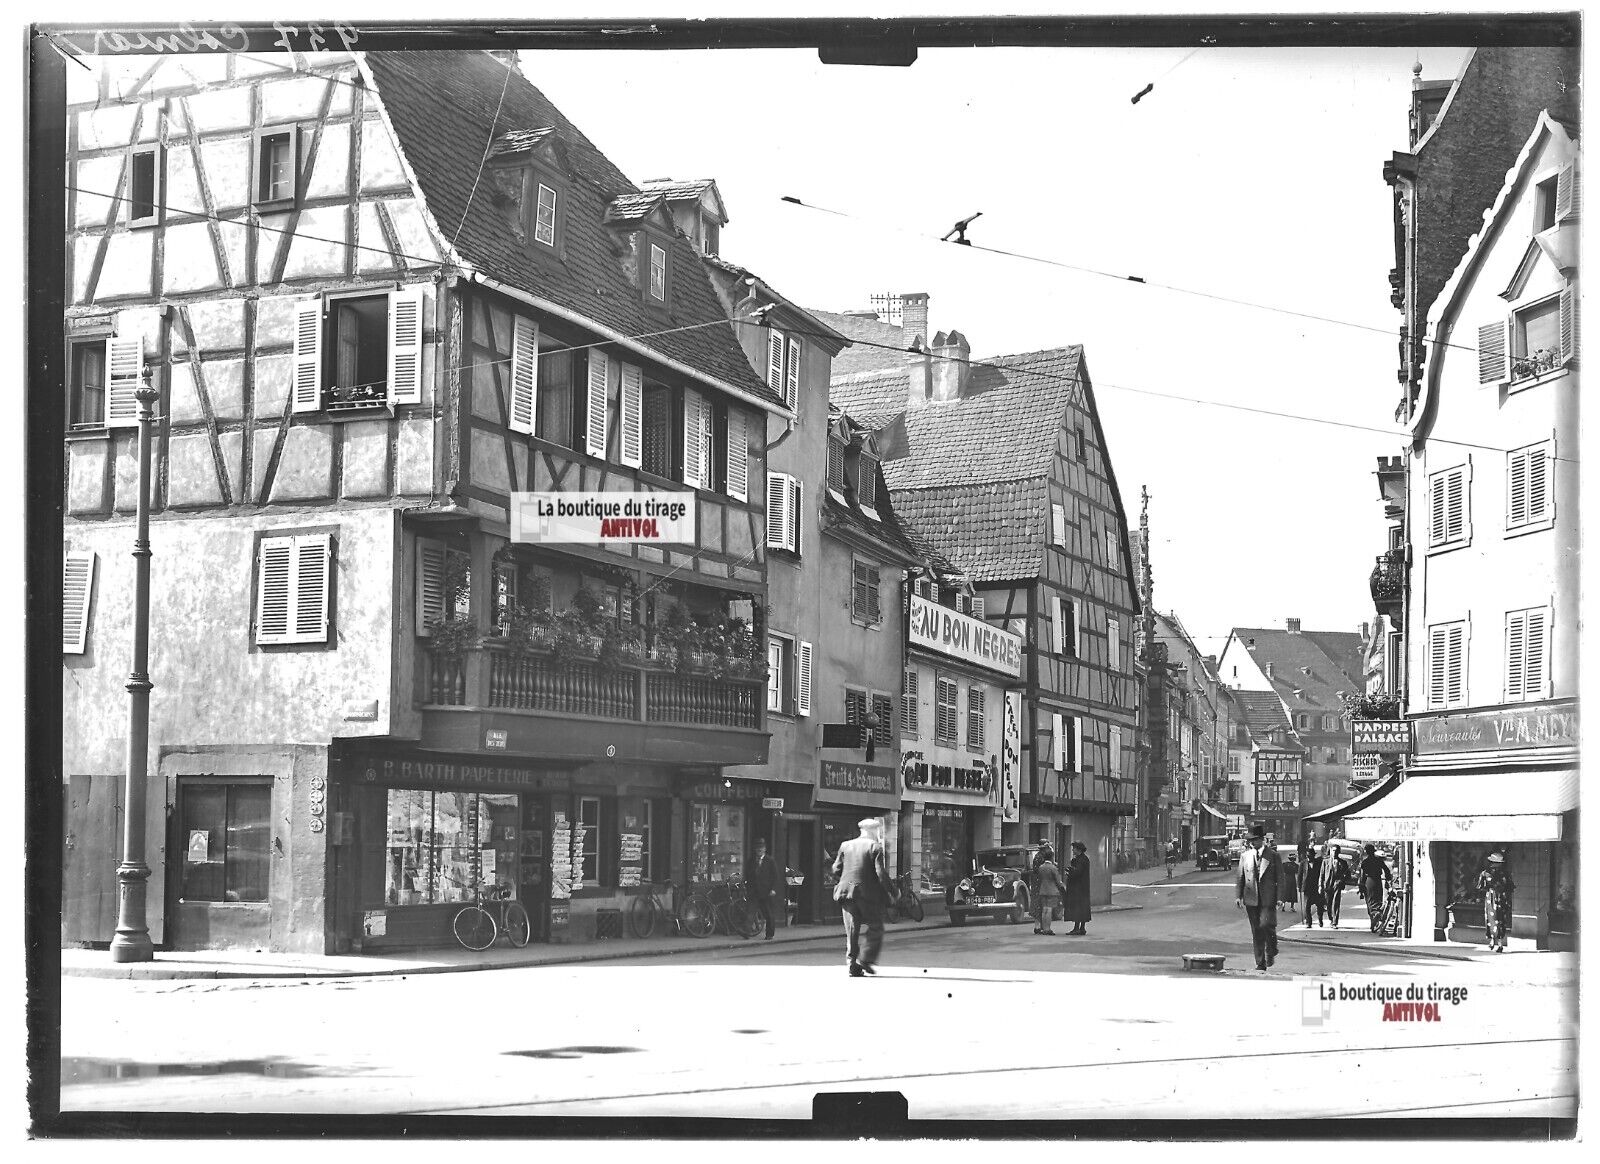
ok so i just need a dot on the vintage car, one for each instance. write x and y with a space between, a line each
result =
1215 853
999 886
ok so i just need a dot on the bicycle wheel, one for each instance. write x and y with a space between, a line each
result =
913 905
475 928
518 927
743 918
699 916
642 915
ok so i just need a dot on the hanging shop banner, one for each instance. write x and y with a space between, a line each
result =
1388 736
1011 760
963 637
603 518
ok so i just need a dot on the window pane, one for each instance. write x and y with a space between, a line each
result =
1540 328
658 436
727 842
555 398
359 346
410 823
699 842
204 836
143 184
249 831
452 845
544 227
89 383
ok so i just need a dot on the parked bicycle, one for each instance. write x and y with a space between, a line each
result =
493 914
1388 921
723 905
908 903
647 912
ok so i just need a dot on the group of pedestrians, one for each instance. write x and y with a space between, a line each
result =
1070 891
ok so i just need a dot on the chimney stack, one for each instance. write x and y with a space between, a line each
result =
950 367
914 316
1294 626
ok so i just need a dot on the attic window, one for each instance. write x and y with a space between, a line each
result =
544 216
277 162
867 476
658 273
1544 205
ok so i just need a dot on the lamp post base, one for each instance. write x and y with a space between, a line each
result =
132 940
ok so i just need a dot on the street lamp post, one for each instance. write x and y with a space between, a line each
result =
132 940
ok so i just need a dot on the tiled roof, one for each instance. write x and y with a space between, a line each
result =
629 208
879 394
1334 659
992 532
443 106
518 141
673 189
1263 713
1006 430
868 332
885 529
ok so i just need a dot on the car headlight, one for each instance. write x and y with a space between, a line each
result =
966 885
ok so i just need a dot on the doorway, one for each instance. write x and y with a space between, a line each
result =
800 845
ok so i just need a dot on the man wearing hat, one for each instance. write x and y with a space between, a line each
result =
1257 886
863 889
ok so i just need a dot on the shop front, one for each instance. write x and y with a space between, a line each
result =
947 816
846 794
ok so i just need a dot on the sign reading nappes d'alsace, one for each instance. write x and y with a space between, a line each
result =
952 633
599 518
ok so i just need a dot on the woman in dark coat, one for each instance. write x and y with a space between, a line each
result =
1497 887
1289 883
1075 901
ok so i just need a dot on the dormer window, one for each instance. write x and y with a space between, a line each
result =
836 465
1544 204
658 273
866 478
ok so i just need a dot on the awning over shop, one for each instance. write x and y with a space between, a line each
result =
1356 803
1471 806
1222 816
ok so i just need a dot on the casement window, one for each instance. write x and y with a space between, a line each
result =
1528 654
1447 664
658 273
883 708
226 831
910 695
1449 507
1111 549
975 719
785 510
1529 504
144 185
444 584
1538 337
661 423
1114 644
864 605
1058 525
1116 755
77 601
783 366
586 841
293 588
545 214
945 711
354 351
1067 745
277 166
1066 621
1233 763
780 674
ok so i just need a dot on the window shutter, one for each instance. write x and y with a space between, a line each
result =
1455 668
274 597
596 400
1057 642
77 590
124 373
693 441
405 345
797 512
1538 483
775 361
524 374
1492 352
1534 669
1456 506
1077 628
791 379
977 606
738 455
802 702
1436 512
1567 200
909 695
1116 753
874 604
630 413
1438 639
1113 644
1058 525
778 523
1516 655
307 395
1517 488
1077 743
311 589
1058 745
430 585
1569 323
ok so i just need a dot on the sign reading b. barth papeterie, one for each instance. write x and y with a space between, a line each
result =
600 518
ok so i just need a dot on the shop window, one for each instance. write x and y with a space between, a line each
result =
277 163
586 840
358 351
945 713
225 830
441 846
144 186
717 841
975 719
946 857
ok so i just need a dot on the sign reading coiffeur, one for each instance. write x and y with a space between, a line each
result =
963 637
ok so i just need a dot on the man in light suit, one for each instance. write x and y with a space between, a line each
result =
864 888
1257 885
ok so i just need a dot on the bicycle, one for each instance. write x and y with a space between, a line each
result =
647 911
724 904
1388 921
909 903
477 927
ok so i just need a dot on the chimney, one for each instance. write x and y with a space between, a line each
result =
914 315
950 367
1294 626
919 381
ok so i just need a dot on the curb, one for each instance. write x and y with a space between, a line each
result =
1369 947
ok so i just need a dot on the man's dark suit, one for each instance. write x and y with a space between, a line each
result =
863 888
1257 885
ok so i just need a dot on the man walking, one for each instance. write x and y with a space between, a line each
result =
764 882
863 889
1257 888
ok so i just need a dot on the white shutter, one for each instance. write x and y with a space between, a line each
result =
274 590
1536 666
405 345
802 701
738 455
1455 519
307 393
1057 642
77 591
631 414
1516 655
596 400
1058 525
1492 352
775 361
430 585
1569 324
1116 753
1517 487
791 379
797 512
1455 664
524 374
124 373
777 511
1077 743
1077 628
977 606
693 444
311 582
1538 482
1113 644
1058 744
1438 639
1567 199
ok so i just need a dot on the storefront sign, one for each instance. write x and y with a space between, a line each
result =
199 846
963 637
1498 829
977 780
1011 760
603 518
772 802
1481 731
719 790
1387 736
399 772
856 777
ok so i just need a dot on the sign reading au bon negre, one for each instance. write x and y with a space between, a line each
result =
1380 735
952 633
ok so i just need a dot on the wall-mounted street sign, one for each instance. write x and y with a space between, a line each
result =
1387 736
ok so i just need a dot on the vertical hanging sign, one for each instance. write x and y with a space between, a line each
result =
1011 760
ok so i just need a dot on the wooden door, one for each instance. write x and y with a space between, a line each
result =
93 850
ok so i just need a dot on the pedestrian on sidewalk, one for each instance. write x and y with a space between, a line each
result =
1289 888
764 885
1172 855
1373 878
1075 891
1333 876
863 888
1495 883
1048 889
1257 894
1311 885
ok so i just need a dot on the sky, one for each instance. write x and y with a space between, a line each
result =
1252 175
